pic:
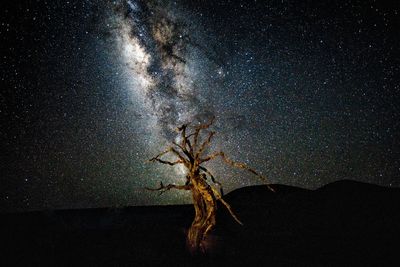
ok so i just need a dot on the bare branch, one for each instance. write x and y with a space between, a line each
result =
185 161
161 154
185 151
190 144
206 125
190 135
205 144
201 127
167 162
163 188
212 156
238 165
185 140
195 138
182 159
228 207
211 176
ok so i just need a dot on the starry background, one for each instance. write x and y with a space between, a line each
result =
306 93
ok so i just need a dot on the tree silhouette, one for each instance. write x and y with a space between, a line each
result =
190 152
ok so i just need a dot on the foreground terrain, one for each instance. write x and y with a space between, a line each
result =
343 223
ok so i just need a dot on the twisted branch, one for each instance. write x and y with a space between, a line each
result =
201 127
205 144
238 165
167 162
228 207
184 150
211 176
185 139
164 188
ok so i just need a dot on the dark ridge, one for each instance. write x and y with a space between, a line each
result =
343 223
348 184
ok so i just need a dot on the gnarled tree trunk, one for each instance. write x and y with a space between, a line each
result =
205 205
189 152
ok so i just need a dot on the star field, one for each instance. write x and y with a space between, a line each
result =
305 93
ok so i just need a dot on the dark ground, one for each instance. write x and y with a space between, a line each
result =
345 223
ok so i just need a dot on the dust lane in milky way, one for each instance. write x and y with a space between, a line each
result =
156 45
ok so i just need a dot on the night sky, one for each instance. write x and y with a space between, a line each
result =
305 92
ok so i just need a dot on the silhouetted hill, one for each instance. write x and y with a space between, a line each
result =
343 223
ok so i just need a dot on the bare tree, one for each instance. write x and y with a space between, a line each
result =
190 152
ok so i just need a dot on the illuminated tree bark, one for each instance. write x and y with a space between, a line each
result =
189 152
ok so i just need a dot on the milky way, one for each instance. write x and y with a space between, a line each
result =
305 93
157 47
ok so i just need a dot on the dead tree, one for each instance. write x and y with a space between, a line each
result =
190 152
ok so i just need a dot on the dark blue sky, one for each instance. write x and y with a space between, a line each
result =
305 93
